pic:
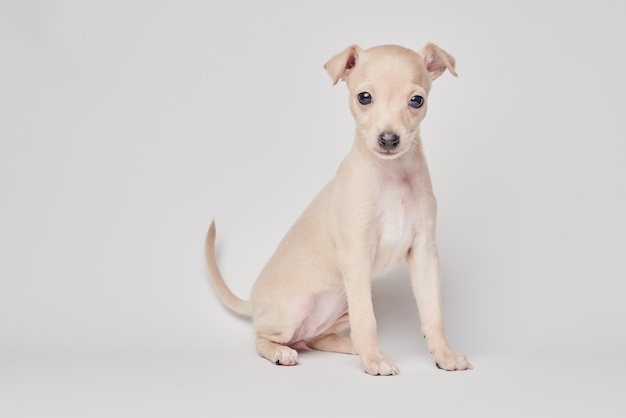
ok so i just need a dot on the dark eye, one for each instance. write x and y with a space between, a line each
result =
416 102
365 98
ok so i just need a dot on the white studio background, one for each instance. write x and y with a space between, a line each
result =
125 127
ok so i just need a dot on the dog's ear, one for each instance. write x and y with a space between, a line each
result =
340 65
437 60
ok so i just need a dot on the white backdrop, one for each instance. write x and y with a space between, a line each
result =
125 127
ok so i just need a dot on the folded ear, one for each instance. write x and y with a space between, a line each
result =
340 65
437 60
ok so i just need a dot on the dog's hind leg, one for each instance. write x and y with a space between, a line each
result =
334 343
276 353
277 327
330 341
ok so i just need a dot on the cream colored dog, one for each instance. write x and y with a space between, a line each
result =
378 209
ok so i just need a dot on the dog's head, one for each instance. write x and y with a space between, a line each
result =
389 88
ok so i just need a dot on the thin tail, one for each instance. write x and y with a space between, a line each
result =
239 306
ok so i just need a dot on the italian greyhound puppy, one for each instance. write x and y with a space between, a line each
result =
378 209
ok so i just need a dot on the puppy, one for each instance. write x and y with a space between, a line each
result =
379 209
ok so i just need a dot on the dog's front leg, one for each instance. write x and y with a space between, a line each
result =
362 321
354 231
355 252
423 262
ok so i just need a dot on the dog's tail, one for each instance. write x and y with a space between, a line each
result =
239 306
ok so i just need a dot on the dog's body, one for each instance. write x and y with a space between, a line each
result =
378 209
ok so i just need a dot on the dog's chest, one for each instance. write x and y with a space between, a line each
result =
396 225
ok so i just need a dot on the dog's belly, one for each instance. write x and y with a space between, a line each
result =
327 309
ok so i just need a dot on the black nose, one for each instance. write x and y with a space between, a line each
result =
388 140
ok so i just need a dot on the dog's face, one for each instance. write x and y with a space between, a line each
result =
389 88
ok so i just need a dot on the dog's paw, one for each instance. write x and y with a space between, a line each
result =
379 365
452 361
286 357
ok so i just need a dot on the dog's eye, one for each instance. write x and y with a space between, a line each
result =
416 102
365 98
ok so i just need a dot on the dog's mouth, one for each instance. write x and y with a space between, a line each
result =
387 154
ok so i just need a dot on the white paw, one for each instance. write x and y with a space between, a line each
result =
286 357
379 365
452 361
